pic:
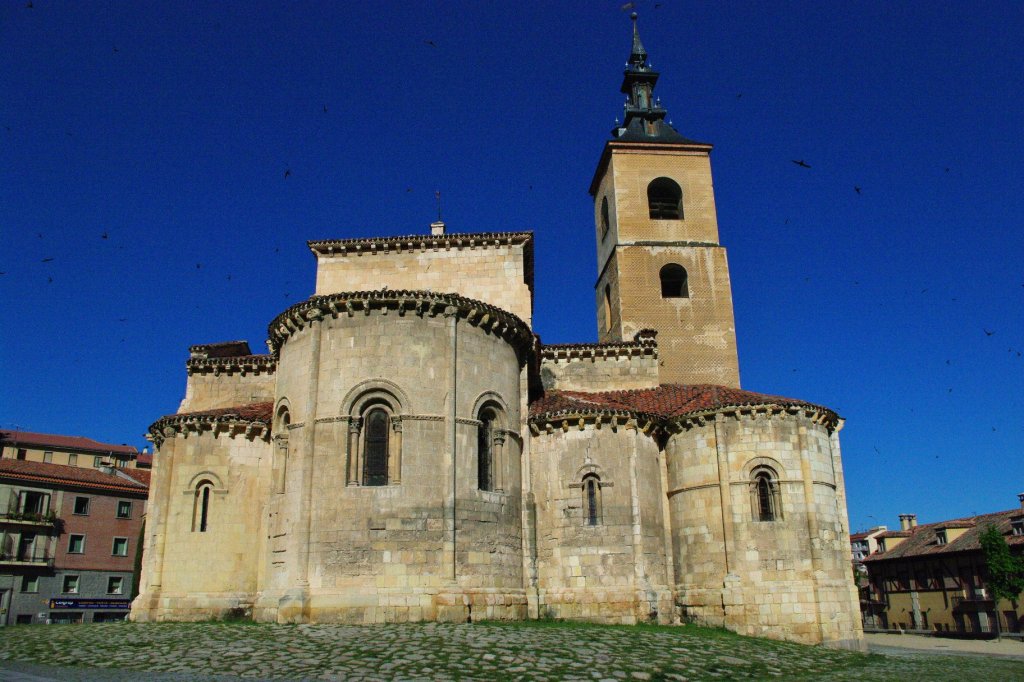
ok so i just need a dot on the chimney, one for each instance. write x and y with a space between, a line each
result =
1020 496
437 227
908 521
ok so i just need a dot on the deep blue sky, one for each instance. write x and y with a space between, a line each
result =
169 127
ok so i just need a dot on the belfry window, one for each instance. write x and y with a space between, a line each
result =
375 459
765 499
201 507
674 281
591 500
665 199
605 220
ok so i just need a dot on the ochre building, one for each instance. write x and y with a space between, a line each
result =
409 450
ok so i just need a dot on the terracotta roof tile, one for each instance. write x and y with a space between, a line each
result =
665 401
921 540
143 476
80 443
260 412
45 472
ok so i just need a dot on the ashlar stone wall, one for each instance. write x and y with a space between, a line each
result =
190 573
599 369
497 273
429 544
209 389
614 570
785 578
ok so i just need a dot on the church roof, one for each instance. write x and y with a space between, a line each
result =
921 540
62 474
667 401
80 443
252 412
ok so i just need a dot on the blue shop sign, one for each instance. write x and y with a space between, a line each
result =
119 604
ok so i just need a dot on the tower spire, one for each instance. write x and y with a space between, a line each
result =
644 117
639 56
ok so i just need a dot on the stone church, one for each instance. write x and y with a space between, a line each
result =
409 450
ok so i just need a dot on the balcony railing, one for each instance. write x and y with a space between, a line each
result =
29 518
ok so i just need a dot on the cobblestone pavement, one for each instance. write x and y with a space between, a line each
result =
174 652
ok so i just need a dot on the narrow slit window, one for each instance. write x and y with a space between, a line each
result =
592 500
375 468
605 219
485 451
201 508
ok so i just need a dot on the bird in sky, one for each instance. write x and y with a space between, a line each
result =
856 189
801 163
49 280
46 260
430 42
198 265
988 333
287 172
104 235
325 108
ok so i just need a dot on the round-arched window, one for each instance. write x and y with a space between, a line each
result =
665 199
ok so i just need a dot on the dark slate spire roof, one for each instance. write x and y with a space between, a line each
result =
643 118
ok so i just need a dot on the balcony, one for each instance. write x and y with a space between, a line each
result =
973 602
28 518
28 556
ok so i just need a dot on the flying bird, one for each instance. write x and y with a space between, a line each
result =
988 333
198 265
49 280
627 6
46 260
801 163
325 108
430 42
856 189
103 236
122 319
287 172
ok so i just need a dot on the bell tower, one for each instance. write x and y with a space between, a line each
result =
659 261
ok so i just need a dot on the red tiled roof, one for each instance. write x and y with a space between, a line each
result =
145 459
45 472
63 442
143 476
665 401
921 540
260 412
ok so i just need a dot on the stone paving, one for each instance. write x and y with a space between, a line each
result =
119 652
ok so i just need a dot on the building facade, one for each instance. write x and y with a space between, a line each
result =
69 541
76 451
932 577
409 449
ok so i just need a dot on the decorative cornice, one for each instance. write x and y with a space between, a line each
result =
418 242
243 364
250 421
643 345
422 303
